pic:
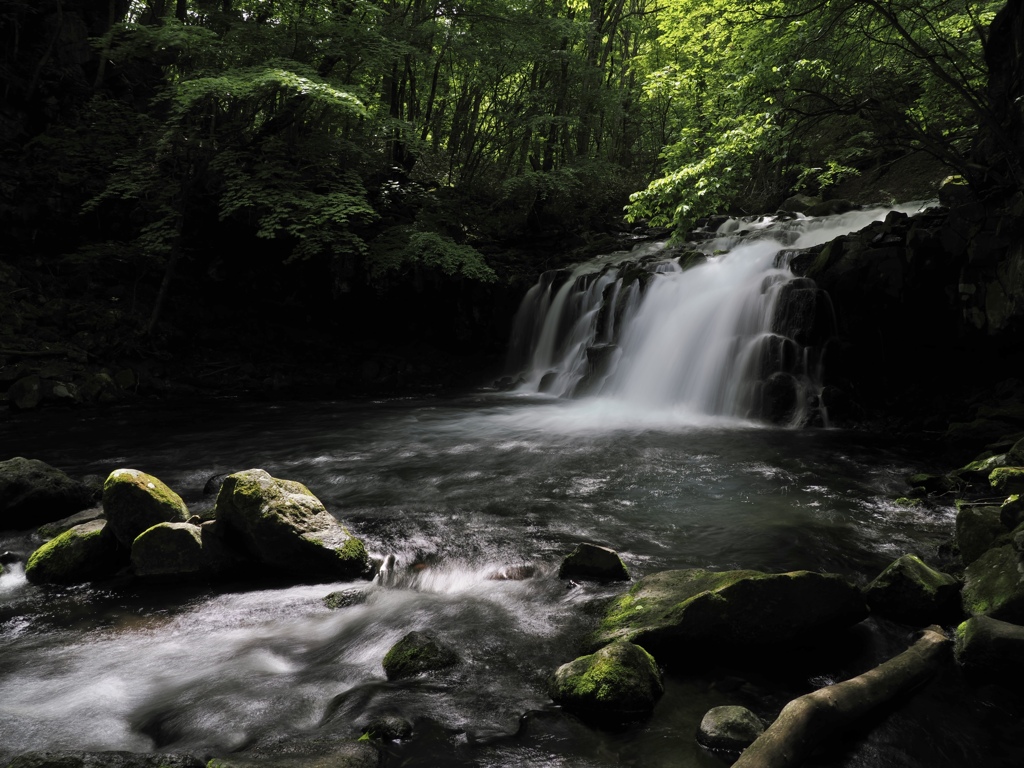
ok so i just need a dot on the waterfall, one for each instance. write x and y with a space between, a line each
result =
718 327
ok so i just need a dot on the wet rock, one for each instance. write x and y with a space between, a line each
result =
26 393
415 654
931 483
389 727
32 493
169 551
779 398
1011 512
729 729
979 469
977 528
800 203
1015 456
1007 480
993 585
345 598
341 754
99 388
57 527
992 648
104 760
729 609
518 572
81 554
912 592
594 563
617 683
135 501
281 524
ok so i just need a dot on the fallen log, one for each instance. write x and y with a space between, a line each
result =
810 719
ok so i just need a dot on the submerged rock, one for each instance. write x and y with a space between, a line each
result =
281 524
32 493
104 760
415 654
83 553
342 754
912 592
389 727
616 684
592 562
135 501
729 728
729 609
990 647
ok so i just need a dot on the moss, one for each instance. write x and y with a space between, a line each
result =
353 549
1007 479
619 680
77 555
417 653
903 501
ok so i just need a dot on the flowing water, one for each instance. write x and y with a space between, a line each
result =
472 503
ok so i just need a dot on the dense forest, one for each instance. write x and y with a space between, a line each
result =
398 172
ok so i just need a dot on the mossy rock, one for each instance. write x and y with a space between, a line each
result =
57 527
594 563
912 592
991 648
931 483
1011 512
729 728
345 598
617 683
342 754
281 524
65 759
978 526
169 551
1007 480
994 585
134 501
415 654
979 470
83 553
33 493
726 609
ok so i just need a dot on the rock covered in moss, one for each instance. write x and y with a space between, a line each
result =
1011 511
593 562
134 501
931 483
33 493
1007 480
979 470
912 592
389 727
415 654
729 728
57 527
169 550
994 585
977 528
617 683
280 523
729 609
65 759
81 554
990 647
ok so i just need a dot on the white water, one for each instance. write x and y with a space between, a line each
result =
690 347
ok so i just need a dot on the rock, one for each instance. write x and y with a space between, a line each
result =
911 592
994 587
57 527
169 551
32 493
618 683
135 501
99 388
518 572
415 654
800 203
954 191
1015 456
1011 513
592 562
831 208
104 760
729 728
342 754
280 523
992 648
977 528
931 483
1007 480
81 554
979 470
729 609
26 393
389 727
345 598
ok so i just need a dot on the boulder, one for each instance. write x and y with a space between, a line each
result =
57 527
911 592
595 563
979 469
389 727
81 554
1007 480
32 493
729 609
990 647
104 760
345 598
800 203
729 729
1015 456
931 483
1011 512
994 586
281 524
415 654
135 501
617 683
26 393
977 528
169 551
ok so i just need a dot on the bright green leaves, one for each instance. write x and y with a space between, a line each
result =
407 248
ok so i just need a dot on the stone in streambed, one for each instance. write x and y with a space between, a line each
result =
977 528
104 760
1011 512
281 524
989 647
169 551
994 584
595 563
57 527
338 754
729 729
729 609
616 684
415 654
912 592
1007 480
33 493
81 554
134 501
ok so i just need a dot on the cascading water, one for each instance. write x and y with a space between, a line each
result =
720 327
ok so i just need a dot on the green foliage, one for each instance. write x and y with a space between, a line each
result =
405 248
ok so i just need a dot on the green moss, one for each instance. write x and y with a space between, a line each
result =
903 501
77 555
1007 479
620 679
